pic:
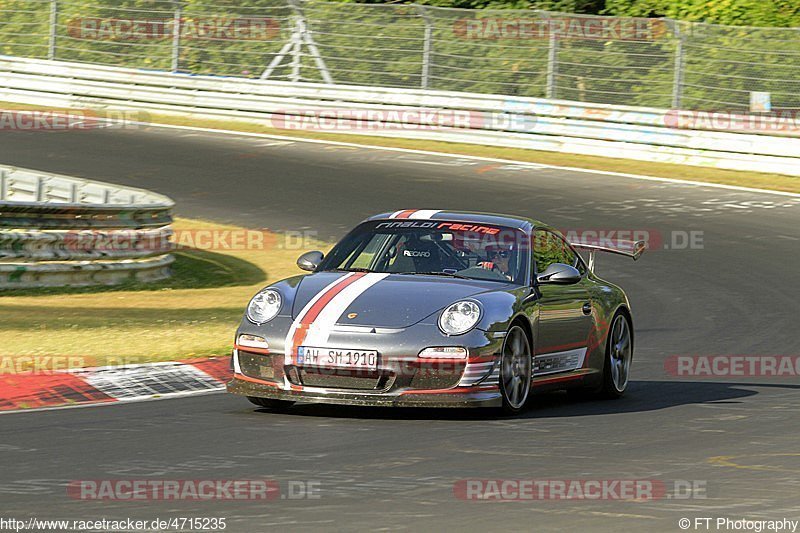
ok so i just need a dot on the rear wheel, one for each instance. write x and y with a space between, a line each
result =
515 370
269 403
619 355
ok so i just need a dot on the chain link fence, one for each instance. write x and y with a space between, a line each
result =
648 62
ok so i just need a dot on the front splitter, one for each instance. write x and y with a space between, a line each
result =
416 398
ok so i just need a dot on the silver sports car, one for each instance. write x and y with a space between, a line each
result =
438 308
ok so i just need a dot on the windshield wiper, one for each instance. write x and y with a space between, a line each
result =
355 269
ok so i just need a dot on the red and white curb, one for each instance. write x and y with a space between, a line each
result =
113 384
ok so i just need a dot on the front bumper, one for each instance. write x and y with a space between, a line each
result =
476 396
402 379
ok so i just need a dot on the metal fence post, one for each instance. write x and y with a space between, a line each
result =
552 62
677 80
300 35
296 50
51 44
304 37
39 189
427 47
176 37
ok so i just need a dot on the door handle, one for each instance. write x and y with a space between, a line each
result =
587 308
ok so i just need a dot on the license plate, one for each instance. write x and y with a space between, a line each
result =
337 358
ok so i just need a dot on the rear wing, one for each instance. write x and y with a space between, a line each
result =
632 249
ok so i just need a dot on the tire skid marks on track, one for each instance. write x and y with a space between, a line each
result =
515 164
676 206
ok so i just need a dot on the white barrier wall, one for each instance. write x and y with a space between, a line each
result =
736 142
58 230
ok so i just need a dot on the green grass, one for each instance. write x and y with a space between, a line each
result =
192 269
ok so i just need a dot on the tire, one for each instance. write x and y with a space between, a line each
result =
269 403
619 357
515 370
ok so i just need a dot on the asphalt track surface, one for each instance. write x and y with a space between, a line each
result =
395 469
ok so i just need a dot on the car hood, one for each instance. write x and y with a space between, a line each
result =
388 301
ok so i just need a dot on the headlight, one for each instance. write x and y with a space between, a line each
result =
460 317
264 306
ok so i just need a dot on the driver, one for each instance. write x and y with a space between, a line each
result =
498 259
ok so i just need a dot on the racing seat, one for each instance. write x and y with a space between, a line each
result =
416 255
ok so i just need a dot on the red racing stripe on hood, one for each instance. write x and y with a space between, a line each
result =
306 320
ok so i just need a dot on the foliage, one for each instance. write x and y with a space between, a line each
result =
414 45
776 13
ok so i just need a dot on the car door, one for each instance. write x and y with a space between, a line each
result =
565 316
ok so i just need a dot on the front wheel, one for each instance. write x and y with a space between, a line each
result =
515 370
269 403
619 355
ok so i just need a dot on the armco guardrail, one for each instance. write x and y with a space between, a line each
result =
769 144
59 230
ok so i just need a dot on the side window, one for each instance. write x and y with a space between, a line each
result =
549 248
579 264
367 254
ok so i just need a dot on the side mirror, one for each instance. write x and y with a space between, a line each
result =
310 260
560 274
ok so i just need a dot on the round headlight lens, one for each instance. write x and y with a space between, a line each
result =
460 317
264 306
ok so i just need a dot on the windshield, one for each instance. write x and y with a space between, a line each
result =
453 249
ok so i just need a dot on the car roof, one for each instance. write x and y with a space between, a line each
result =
474 217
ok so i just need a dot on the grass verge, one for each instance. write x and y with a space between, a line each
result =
193 314
759 180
